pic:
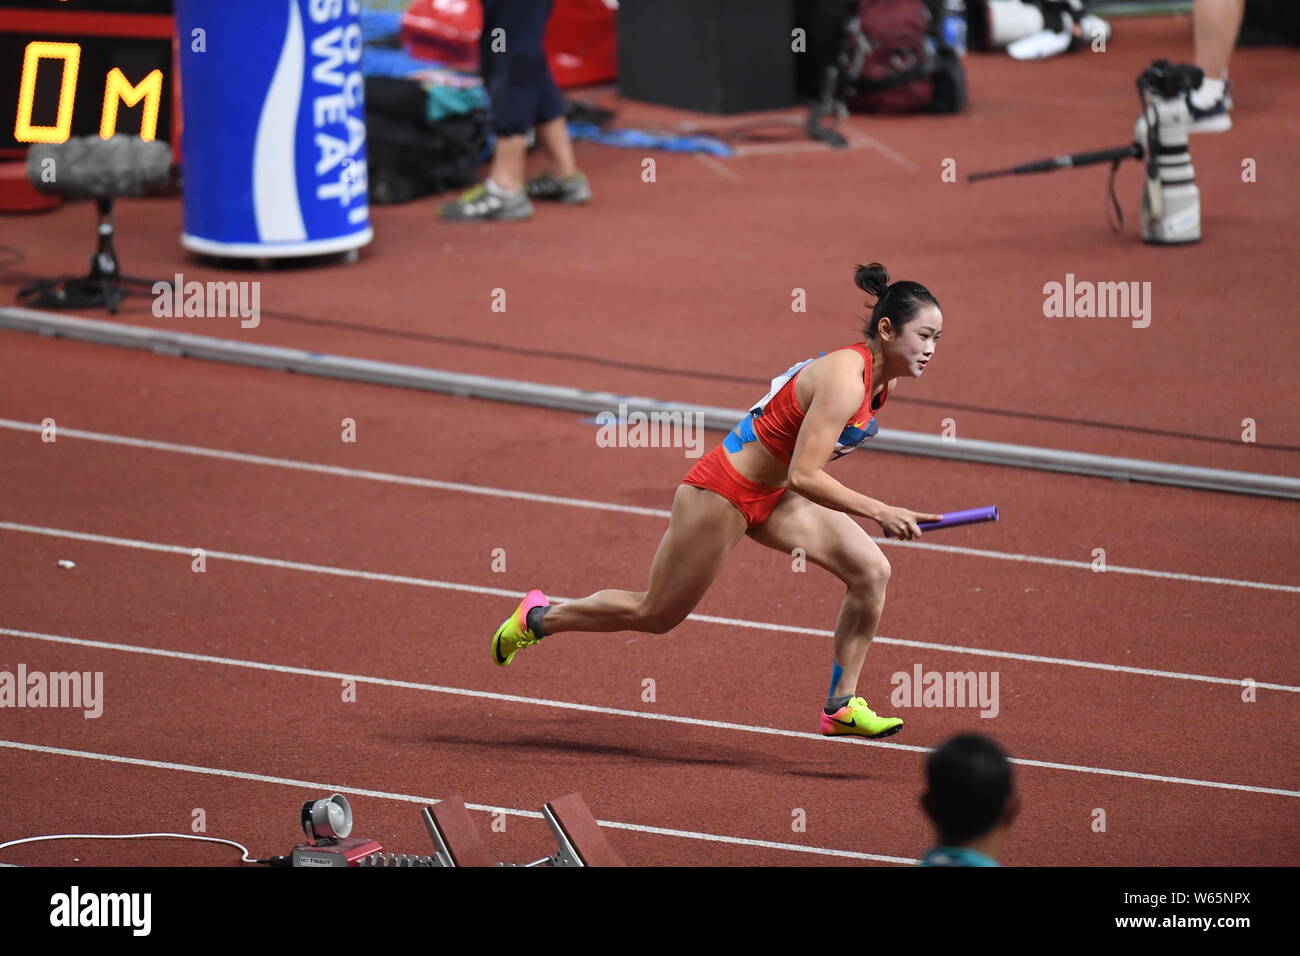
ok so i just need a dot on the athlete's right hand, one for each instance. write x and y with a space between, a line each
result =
902 522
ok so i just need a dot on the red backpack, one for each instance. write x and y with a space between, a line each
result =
893 62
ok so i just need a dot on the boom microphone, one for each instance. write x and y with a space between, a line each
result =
1171 201
1131 151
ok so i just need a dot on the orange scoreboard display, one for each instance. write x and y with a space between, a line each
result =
85 67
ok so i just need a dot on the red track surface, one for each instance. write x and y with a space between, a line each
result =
637 279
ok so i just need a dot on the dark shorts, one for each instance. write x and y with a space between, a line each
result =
518 79
716 473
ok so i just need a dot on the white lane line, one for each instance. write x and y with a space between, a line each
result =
988 652
426 801
719 168
337 471
596 709
1087 566
744 150
494 492
862 139
855 139
703 618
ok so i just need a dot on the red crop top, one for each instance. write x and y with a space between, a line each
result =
777 416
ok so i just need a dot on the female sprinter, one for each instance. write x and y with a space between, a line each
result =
767 480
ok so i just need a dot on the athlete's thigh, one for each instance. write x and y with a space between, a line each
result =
702 532
830 539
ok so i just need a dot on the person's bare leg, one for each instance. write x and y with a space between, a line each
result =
701 533
834 541
1215 24
508 162
854 629
554 138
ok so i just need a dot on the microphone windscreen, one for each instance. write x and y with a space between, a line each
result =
87 167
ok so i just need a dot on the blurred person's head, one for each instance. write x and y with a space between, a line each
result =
970 796
905 321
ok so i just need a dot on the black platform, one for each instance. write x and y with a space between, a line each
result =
709 56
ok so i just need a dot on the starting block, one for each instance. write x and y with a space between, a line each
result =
454 835
578 838
578 835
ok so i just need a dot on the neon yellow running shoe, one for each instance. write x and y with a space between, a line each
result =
514 635
856 717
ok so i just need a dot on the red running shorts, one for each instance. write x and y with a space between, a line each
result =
716 473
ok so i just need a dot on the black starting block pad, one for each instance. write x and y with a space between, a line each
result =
580 840
454 835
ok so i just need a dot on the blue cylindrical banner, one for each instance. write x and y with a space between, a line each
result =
274 140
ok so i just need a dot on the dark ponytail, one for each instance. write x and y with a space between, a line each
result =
900 301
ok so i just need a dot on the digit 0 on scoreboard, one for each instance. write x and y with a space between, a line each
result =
84 67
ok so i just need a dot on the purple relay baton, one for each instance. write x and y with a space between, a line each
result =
954 518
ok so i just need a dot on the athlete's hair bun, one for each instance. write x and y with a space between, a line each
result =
901 302
872 279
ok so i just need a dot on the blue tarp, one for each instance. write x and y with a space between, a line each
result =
380 26
639 139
